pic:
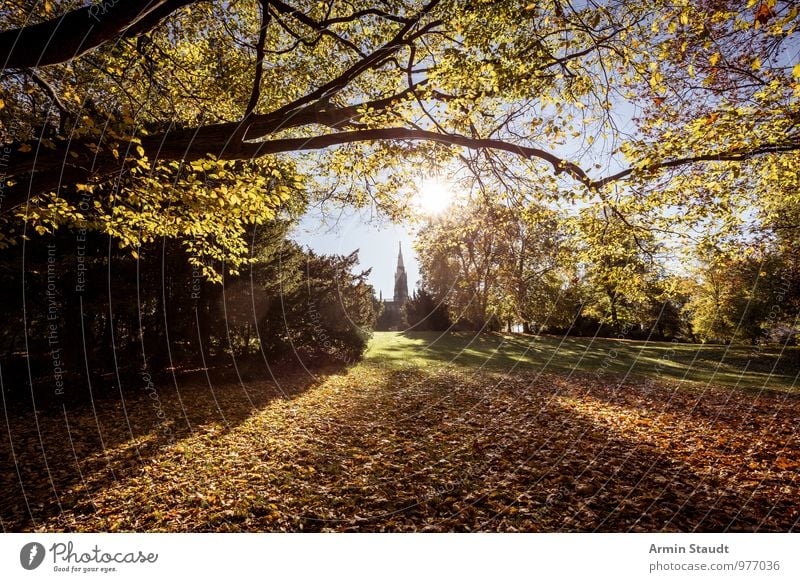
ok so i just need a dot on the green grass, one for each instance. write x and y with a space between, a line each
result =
747 367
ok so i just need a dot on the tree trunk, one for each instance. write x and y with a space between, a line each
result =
612 300
246 348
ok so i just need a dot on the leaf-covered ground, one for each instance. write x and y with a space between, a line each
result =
410 449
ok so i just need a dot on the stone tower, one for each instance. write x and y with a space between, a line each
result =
400 279
393 317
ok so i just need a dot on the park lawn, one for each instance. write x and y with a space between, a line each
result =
399 442
752 368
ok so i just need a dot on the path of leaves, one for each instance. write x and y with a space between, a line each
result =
411 450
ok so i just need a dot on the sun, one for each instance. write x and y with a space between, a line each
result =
433 195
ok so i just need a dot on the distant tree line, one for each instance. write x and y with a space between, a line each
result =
488 267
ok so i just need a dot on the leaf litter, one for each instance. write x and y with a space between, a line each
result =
384 449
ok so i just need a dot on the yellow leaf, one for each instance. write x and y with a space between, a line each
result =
24 148
714 59
796 71
140 150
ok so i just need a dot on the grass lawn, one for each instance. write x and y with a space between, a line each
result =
495 433
746 367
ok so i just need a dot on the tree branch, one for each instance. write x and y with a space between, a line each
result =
75 33
361 13
730 156
301 17
262 39
373 59
76 162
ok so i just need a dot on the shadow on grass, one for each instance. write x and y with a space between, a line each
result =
741 366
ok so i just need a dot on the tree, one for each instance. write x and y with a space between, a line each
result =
84 318
492 264
733 298
175 117
330 317
531 266
424 313
461 257
620 267
781 220
662 311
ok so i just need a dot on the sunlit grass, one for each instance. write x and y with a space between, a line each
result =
746 367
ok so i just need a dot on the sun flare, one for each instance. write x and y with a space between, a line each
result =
433 195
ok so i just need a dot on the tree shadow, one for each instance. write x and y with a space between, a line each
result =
447 452
59 456
721 406
404 450
740 366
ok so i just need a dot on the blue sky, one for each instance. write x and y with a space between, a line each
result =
376 242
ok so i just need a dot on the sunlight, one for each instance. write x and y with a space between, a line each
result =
433 195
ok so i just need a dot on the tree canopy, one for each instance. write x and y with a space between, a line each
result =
193 118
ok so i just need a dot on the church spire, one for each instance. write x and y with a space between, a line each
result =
400 279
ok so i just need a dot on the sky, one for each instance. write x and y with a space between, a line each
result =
342 232
376 244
